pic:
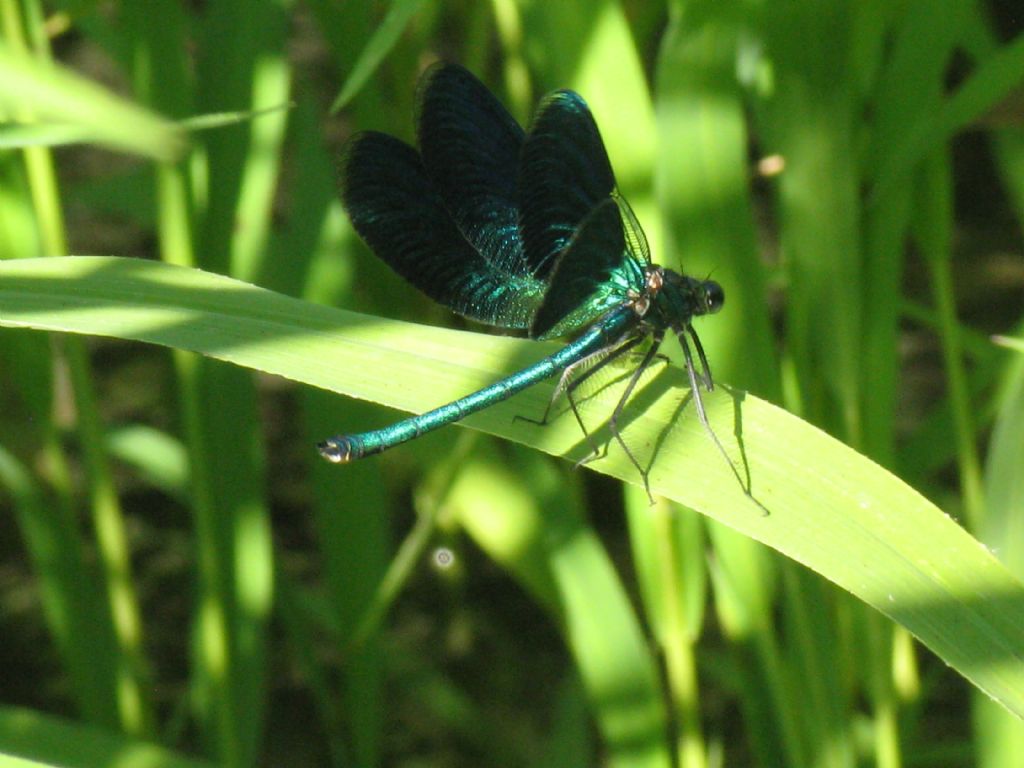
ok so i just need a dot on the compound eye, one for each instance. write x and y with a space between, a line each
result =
714 296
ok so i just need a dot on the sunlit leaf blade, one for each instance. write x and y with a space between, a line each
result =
827 506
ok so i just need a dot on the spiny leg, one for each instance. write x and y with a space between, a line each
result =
595 450
564 383
562 386
568 385
691 372
699 403
613 422
709 383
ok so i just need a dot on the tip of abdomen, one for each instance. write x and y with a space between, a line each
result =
336 450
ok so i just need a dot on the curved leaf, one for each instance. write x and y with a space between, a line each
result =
827 506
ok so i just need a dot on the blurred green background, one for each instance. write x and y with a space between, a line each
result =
178 567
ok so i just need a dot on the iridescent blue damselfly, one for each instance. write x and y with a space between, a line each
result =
519 230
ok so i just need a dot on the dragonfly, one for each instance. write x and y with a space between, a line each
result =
519 230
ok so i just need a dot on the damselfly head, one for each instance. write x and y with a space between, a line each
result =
712 297
686 297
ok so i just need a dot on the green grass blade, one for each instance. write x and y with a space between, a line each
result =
37 91
1001 737
242 64
543 540
909 85
216 120
53 741
829 507
934 236
1010 343
354 545
704 192
158 457
995 77
68 589
668 552
810 121
744 577
377 48
44 508
132 676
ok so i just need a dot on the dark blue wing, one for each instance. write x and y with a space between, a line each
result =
399 213
583 282
564 174
470 147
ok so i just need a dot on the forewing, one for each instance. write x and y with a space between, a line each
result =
583 277
564 173
398 212
470 147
